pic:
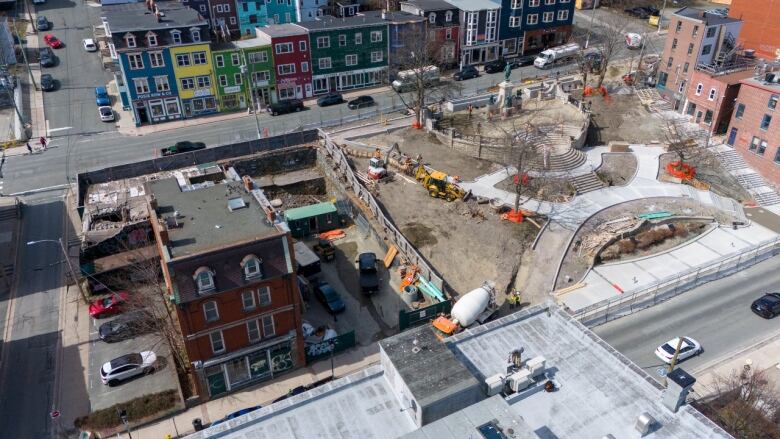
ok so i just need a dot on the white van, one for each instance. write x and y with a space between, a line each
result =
407 79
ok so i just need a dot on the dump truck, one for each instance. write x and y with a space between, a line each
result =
475 307
439 184
555 55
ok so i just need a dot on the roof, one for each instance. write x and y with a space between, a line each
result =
475 5
330 22
135 16
304 256
396 16
309 211
705 17
204 221
432 5
760 83
251 43
281 30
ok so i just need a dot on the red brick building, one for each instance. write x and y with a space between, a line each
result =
761 28
292 59
711 95
755 127
230 274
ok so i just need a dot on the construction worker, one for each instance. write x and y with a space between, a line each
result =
512 299
517 298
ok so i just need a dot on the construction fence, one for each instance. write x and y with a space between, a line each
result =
664 289
410 319
326 348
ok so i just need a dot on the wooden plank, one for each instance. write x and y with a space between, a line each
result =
391 252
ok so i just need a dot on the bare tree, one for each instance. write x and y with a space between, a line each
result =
613 37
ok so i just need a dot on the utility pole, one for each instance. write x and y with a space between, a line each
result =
674 358
67 260
661 16
245 73
590 26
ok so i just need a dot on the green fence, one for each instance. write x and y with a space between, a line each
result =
409 319
324 349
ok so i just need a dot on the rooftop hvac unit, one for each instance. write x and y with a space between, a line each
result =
519 380
494 384
536 366
644 423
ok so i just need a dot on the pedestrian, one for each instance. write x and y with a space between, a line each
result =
29 148
471 108
42 140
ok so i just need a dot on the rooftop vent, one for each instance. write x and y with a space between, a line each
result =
644 424
235 204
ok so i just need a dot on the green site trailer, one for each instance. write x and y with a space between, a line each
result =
315 218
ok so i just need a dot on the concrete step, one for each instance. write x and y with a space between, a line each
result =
749 181
767 198
586 182
731 160
567 161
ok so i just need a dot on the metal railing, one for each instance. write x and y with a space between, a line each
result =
632 301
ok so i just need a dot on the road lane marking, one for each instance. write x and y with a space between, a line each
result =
51 130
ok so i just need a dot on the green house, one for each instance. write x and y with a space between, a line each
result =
347 53
315 218
231 92
260 69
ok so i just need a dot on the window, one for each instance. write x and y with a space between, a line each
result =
161 84
202 8
690 48
320 85
517 4
287 92
740 111
204 81
678 27
695 30
284 48
767 119
151 39
156 59
712 95
235 59
141 85
176 37
772 102
669 62
287 17
130 40
268 326
253 331
706 49
532 19
223 82
777 155
711 31
685 67
549 2
258 57
754 143
376 36
264 296
533 3
448 35
220 60
563 15
448 16
183 59
432 18
217 343
324 63
376 56
681 87
351 60
237 78
547 17
674 43
203 276
219 8
358 38
248 300
195 33
761 148
514 21
157 108
708 117
662 78
187 83
260 76
691 109
135 61
199 58
302 46
323 42
210 311
305 66
226 7
699 88
251 264
286 69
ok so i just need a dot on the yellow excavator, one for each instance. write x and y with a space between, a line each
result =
438 184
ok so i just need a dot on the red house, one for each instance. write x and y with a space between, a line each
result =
292 60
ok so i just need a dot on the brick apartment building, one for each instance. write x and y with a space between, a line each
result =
761 28
755 127
711 95
695 38
230 274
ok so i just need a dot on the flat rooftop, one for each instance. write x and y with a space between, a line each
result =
281 30
136 17
707 18
204 221
431 5
331 22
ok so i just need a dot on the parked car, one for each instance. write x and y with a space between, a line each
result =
688 349
52 41
47 82
106 113
467 72
767 306
46 57
89 45
127 366
360 102
236 414
284 107
185 146
42 23
101 97
330 298
330 99
495 66
521 61
123 327
369 277
113 304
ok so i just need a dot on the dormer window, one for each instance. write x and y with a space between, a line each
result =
448 16
130 40
432 18
204 277
253 267
176 36
151 39
195 33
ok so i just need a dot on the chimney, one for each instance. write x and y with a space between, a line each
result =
164 240
679 383
248 184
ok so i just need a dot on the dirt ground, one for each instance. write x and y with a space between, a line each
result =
542 188
620 118
709 170
575 266
617 169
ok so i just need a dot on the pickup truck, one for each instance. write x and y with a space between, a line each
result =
180 147
367 272
325 250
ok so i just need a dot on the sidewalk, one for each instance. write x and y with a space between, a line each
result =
37 114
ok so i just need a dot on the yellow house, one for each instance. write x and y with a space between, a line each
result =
195 78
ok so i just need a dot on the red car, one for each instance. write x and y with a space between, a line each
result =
108 306
52 41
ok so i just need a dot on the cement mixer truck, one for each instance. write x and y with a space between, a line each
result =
556 55
475 307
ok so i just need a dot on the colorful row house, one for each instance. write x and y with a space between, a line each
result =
530 26
244 71
443 23
291 59
251 14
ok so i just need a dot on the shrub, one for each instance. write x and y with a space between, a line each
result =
137 409
626 246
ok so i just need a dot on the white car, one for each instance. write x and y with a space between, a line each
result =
89 45
106 113
127 366
688 349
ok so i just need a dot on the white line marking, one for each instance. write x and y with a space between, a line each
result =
51 130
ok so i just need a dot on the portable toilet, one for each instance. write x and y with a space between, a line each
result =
315 218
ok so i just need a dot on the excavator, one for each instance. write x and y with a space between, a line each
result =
439 184
377 165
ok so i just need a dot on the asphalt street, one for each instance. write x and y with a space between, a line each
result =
716 314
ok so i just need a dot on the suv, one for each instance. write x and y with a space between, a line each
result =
127 366
46 57
468 72
283 107
767 306
495 66
369 277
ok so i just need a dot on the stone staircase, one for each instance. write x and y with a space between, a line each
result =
586 182
731 160
750 181
766 198
571 159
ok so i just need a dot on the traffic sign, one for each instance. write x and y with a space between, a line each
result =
54 414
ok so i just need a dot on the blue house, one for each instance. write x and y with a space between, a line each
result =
281 11
530 26
251 14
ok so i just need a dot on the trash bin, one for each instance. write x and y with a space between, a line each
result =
197 424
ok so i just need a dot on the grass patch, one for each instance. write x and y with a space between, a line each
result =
137 409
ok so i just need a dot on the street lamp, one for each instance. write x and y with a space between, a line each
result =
247 80
67 260
590 26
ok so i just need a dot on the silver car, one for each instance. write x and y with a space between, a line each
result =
127 366
106 113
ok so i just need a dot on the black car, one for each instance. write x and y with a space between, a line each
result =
767 306
521 61
284 107
495 66
46 57
185 146
42 23
47 82
330 99
360 102
123 327
369 277
467 72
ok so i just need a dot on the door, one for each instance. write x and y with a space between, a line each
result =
308 90
732 137
142 115
298 92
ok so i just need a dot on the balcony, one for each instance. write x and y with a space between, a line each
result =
736 64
